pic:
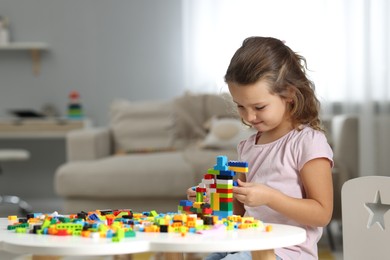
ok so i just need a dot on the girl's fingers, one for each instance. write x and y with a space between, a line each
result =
241 183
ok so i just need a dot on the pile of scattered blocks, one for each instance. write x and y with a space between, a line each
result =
119 224
211 212
96 224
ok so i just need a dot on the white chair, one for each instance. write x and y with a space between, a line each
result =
366 218
14 155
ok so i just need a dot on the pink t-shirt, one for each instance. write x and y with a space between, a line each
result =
277 164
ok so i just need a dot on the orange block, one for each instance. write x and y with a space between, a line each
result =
85 233
52 231
243 226
191 224
268 228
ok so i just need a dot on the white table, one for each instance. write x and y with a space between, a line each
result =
173 243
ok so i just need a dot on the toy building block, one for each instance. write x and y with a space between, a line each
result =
221 163
238 164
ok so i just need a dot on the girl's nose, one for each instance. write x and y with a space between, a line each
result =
250 116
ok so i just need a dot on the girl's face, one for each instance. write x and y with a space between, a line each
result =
257 106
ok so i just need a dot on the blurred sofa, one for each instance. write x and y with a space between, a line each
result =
150 153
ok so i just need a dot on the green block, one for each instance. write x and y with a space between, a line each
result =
130 233
199 197
76 233
11 227
224 186
120 233
212 171
226 195
225 206
21 230
154 213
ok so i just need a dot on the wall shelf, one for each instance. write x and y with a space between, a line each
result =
34 47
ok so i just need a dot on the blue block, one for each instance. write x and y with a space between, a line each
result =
238 164
227 173
94 216
221 163
185 203
109 233
192 230
223 214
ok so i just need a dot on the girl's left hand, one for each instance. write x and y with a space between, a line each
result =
251 194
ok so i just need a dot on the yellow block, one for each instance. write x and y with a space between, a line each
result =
238 169
215 201
197 205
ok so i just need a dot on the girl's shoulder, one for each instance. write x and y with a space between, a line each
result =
309 139
306 132
297 137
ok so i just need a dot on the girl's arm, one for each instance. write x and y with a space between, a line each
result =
314 210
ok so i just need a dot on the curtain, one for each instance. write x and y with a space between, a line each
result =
346 44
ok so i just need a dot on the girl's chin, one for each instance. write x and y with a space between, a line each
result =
260 127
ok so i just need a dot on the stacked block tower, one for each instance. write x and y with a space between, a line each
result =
214 195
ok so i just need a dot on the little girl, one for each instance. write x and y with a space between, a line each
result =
290 161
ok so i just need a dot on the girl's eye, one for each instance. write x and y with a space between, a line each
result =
260 108
240 107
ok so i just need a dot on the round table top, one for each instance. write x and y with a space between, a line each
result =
220 241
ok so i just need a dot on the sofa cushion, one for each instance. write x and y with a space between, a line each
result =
142 126
226 133
193 110
165 174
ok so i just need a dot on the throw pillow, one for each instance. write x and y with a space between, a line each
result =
193 110
226 133
142 126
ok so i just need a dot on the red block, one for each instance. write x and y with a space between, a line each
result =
200 189
225 191
207 211
62 232
225 199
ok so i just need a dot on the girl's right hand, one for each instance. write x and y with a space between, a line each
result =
191 194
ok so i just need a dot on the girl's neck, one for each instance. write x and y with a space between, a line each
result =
274 134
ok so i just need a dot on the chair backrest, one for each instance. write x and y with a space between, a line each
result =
366 218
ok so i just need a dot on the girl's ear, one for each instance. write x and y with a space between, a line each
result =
290 93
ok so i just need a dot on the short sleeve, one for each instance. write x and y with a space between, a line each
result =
312 145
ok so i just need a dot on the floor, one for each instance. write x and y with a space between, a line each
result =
325 252
52 205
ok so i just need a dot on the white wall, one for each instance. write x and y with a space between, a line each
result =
104 49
